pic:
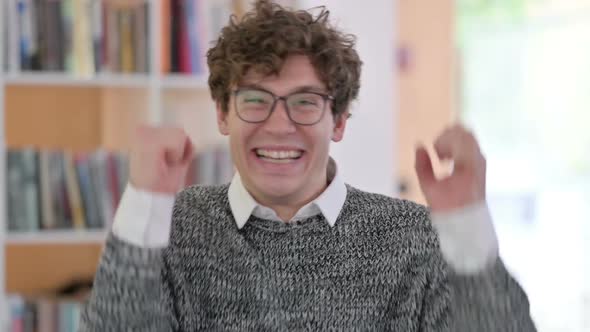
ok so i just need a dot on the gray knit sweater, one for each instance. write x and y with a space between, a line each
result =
378 269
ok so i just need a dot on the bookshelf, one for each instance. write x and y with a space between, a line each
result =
82 113
56 237
60 79
175 81
4 318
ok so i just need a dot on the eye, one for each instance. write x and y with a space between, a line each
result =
254 97
305 102
254 100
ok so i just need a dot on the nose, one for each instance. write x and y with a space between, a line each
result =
279 123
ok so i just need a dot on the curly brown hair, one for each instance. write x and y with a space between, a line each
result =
263 38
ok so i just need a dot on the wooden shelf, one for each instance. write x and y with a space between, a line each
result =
57 237
33 268
183 81
168 81
78 118
65 79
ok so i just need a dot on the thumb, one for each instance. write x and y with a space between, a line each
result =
179 154
424 170
188 152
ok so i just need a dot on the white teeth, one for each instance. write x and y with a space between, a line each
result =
291 154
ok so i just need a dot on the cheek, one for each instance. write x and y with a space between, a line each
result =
319 140
240 138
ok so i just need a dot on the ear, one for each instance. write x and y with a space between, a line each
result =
339 126
222 118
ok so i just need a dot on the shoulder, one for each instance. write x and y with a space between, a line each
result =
407 213
399 220
198 197
200 206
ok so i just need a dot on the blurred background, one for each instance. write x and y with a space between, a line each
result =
78 75
525 90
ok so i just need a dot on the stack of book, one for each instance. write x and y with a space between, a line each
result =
60 190
44 314
80 37
48 190
188 29
212 166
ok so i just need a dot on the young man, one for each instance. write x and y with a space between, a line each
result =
287 245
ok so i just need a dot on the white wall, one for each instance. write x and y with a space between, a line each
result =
367 155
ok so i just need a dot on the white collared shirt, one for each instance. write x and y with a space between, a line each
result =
329 203
468 240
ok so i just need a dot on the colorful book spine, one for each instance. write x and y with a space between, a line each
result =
47 313
80 37
48 190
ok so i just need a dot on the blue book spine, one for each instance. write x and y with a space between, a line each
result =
193 36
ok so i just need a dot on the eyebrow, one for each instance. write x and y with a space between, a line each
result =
305 88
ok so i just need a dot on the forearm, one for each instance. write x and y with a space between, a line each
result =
129 292
489 301
483 296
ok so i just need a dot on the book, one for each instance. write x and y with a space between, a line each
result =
101 182
88 192
45 312
25 33
96 31
54 189
13 43
175 35
14 203
51 189
74 196
189 27
140 36
5 26
53 58
79 37
192 34
67 46
211 166
165 35
82 38
125 20
30 189
47 207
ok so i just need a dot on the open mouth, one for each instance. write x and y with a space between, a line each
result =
279 156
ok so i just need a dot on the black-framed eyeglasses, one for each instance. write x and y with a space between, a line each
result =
303 108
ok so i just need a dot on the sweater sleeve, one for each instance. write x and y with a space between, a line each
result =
490 300
130 292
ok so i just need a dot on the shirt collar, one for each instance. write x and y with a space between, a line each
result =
329 202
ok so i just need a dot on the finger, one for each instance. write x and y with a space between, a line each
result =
175 143
189 151
457 144
446 145
172 137
161 137
424 169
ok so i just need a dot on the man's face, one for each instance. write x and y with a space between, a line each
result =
280 161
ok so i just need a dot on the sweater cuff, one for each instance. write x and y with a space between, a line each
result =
468 240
